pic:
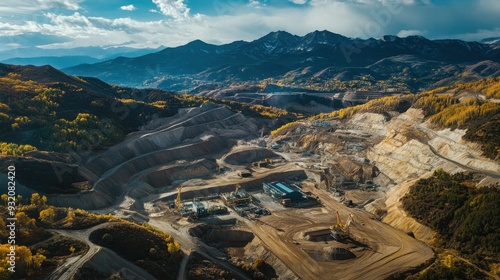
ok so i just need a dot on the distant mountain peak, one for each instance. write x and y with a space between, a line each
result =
197 43
278 36
324 37
275 42
325 33
279 54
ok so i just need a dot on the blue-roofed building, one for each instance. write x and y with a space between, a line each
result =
282 192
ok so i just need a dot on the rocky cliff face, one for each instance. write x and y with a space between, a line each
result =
171 149
400 147
412 150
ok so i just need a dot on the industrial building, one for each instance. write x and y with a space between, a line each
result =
237 197
199 209
283 193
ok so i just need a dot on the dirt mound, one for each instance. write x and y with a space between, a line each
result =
331 254
355 171
199 267
320 143
338 253
247 155
46 176
318 235
222 237
165 175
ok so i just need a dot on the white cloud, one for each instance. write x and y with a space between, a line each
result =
298 2
492 5
128 8
405 2
352 18
174 8
254 4
9 7
406 33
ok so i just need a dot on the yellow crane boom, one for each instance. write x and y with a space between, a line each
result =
178 202
237 189
339 224
339 221
350 219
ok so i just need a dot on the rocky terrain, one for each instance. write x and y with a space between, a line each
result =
176 149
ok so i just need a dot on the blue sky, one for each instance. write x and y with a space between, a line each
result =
152 23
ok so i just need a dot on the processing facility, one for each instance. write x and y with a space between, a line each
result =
236 197
283 193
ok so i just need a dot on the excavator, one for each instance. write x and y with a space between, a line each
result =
340 230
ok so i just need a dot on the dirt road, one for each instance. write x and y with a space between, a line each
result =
190 244
388 250
71 266
466 167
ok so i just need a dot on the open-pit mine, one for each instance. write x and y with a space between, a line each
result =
318 202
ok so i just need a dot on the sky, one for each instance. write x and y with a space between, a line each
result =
52 24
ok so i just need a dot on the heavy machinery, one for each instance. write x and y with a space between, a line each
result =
340 231
178 202
339 222
184 209
236 197
235 192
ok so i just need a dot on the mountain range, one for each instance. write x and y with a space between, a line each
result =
63 58
320 60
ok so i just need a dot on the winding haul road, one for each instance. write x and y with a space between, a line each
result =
465 167
71 266
190 244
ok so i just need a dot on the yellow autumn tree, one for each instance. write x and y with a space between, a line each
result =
25 260
36 199
48 215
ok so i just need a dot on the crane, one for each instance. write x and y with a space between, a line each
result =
236 190
178 202
341 230
350 219
339 224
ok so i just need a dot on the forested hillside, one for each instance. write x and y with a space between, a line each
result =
42 108
465 218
